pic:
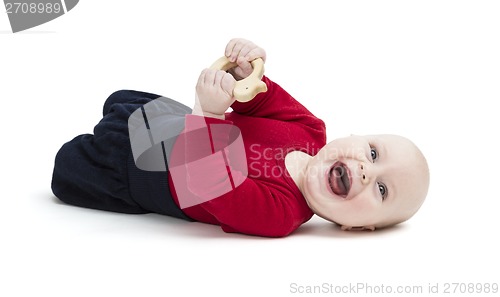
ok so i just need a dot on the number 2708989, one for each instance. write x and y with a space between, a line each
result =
32 8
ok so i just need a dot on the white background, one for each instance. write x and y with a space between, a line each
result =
429 70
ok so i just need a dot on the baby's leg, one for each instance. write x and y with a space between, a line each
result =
91 170
128 96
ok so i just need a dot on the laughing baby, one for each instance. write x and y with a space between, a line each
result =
283 171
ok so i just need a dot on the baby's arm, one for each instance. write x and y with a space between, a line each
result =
214 90
276 103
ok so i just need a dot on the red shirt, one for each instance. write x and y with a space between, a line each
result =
265 200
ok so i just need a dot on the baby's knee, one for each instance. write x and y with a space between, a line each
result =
120 96
117 95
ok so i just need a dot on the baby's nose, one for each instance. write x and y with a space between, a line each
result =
363 173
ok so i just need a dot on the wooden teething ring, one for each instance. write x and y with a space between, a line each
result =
245 89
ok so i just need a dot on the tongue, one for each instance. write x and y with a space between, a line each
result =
336 183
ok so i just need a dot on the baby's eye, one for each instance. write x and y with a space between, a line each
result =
374 154
383 190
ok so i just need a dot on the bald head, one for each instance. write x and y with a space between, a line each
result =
410 172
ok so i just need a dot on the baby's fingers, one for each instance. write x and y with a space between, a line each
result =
201 78
210 77
250 51
255 53
227 83
234 48
245 68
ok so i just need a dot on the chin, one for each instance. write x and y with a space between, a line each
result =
328 219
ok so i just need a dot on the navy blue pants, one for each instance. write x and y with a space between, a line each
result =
98 171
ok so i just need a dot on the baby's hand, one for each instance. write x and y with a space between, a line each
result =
243 52
214 93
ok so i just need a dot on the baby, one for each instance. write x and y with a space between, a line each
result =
288 174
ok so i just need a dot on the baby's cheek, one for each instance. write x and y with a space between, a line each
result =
365 202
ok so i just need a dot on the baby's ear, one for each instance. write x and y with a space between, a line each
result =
362 228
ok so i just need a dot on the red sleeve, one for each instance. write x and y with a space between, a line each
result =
276 104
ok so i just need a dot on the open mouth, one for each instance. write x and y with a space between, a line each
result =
339 179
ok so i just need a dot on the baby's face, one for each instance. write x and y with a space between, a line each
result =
367 181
